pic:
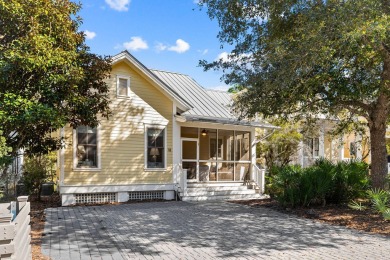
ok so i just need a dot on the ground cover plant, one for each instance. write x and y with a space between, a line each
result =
324 182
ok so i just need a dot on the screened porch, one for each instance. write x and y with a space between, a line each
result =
211 155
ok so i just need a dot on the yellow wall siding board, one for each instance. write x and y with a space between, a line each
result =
122 137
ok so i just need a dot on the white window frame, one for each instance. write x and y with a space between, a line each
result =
98 142
161 127
118 77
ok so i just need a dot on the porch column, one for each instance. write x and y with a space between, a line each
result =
176 149
253 150
321 140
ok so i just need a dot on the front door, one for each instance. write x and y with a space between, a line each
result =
189 157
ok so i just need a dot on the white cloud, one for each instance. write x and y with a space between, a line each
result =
180 47
119 5
203 52
161 46
221 88
89 35
136 43
229 57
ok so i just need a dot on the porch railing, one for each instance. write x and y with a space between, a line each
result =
183 182
258 176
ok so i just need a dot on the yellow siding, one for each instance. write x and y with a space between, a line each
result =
122 137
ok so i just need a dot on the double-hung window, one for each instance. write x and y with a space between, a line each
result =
123 86
155 150
86 147
313 145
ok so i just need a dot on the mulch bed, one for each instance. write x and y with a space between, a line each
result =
340 215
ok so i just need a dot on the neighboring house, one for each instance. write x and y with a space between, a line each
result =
322 144
166 136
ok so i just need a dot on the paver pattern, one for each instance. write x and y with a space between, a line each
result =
207 230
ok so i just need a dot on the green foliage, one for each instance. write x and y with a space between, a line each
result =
321 183
48 77
37 169
281 145
305 58
379 200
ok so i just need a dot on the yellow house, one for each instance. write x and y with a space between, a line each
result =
167 138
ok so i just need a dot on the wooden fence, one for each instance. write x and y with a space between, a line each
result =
15 230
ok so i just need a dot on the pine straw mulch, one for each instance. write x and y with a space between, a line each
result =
334 214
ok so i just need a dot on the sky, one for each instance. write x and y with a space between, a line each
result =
169 35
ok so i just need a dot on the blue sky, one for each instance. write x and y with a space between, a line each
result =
170 35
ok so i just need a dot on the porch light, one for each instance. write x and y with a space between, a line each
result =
204 132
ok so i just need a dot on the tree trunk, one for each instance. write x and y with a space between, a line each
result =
378 156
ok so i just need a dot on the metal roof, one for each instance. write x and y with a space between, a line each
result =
222 97
211 106
202 103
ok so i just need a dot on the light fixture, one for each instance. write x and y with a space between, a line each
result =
204 132
154 152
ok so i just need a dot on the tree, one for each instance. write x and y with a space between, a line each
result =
279 148
48 77
308 57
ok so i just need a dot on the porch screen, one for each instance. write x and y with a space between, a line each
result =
155 149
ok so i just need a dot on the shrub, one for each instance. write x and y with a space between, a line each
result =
379 200
321 183
37 169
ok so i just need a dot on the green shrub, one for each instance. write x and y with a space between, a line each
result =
37 169
379 200
321 183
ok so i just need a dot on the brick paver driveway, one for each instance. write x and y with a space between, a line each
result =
208 230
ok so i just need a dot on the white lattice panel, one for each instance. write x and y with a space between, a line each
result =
146 195
86 198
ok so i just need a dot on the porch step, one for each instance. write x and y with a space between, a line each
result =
214 184
197 192
228 197
217 188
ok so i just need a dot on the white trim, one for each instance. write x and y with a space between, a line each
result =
118 77
156 126
253 152
216 126
85 169
62 158
152 78
69 189
176 147
191 160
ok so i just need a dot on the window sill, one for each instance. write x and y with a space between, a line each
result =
123 97
86 169
155 169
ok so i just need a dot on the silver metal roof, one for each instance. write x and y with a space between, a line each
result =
222 97
203 104
210 106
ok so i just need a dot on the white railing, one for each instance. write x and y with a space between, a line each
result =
183 182
15 230
258 176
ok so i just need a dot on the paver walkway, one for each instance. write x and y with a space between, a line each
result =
207 230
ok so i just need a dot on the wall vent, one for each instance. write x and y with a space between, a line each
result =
146 195
90 198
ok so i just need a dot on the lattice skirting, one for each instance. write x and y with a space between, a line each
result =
86 198
146 195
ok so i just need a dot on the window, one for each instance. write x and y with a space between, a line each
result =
123 86
155 152
215 147
313 145
86 146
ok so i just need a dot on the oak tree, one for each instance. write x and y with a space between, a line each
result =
308 57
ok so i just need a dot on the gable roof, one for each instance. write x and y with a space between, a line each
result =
207 105
202 103
222 97
151 77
